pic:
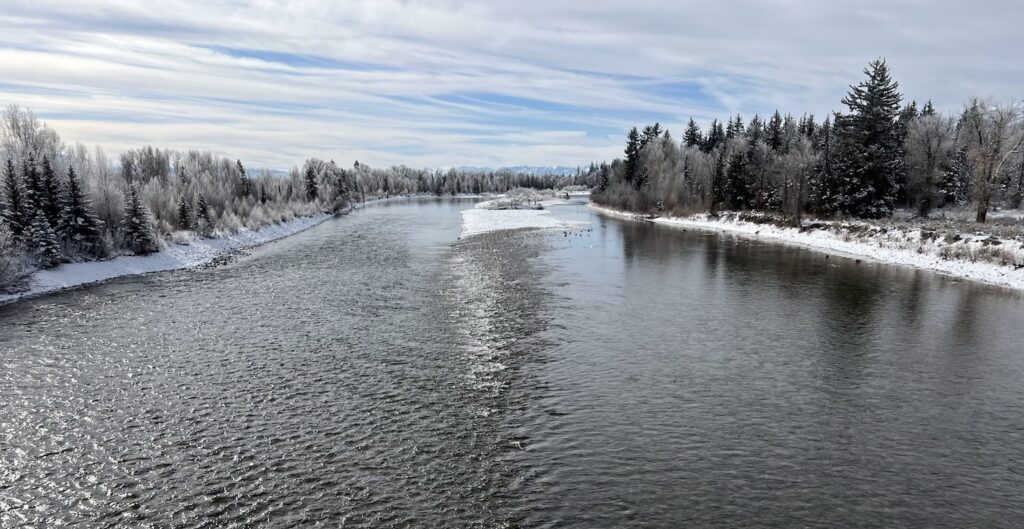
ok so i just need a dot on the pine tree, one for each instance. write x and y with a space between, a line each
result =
78 223
184 214
692 137
928 109
651 133
49 200
868 158
14 207
632 156
137 227
773 131
202 216
263 194
716 136
44 242
312 192
245 185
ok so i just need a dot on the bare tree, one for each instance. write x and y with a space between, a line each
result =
930 142
795 167
993 134
14 263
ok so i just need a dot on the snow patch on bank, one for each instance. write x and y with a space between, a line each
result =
483 219
173 257
900 247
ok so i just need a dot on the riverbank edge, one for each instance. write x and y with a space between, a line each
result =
870 247
175 256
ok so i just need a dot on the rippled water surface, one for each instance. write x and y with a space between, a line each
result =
378 371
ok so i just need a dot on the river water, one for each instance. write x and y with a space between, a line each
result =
378 371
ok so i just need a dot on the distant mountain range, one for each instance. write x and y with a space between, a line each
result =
527 169
561 170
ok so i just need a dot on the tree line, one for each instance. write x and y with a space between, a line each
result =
63 203
876 156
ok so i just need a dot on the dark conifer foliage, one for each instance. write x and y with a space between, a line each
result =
632 155
312 189
43 242
13 209
137 225
78 223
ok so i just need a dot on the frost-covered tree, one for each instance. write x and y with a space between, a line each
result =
312 189
78 224
43 242
14 208
184 214
49 199
929 144
992 135
137 226
202 223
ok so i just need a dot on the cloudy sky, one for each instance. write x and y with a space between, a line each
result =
491 83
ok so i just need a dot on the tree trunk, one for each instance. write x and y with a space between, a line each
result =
982 209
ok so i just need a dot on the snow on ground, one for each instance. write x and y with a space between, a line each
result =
900 247
173 257
483 219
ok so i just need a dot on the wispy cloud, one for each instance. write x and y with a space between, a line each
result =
476 83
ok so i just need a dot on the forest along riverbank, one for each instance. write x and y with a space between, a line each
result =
983 257
175 256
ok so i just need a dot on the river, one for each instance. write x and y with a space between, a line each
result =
379 371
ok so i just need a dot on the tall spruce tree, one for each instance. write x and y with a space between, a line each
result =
78 223
773 131
138 230
49 200
14 207
632 169
692 137
868 160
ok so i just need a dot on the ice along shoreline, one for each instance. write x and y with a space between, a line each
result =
904 247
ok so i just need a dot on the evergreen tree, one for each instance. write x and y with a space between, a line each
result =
78 223
651 133
868 158
632 156
184 214
928 109
44 242
49 200
14 207
245 185
138 230
692 137
202 215
263 194
716 136
773 131
33 187
312 192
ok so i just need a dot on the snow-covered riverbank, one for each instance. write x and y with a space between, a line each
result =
970 256
173 257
